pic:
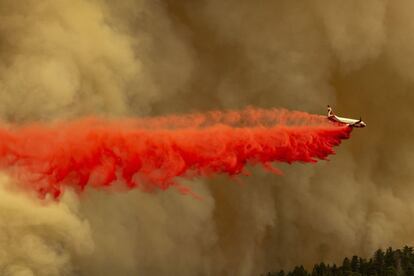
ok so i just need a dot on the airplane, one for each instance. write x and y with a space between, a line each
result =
349 122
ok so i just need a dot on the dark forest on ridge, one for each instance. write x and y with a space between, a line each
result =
382 263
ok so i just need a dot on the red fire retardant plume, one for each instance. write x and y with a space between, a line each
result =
150 153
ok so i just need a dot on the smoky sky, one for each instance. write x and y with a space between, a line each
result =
68 59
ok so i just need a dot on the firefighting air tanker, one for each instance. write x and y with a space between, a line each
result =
347 121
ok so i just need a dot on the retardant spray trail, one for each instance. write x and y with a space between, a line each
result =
150 153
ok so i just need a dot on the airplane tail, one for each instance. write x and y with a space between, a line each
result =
330 111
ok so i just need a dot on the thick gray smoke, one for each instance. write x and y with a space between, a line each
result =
40 238
62 59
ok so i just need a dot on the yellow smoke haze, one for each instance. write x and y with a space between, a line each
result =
65 59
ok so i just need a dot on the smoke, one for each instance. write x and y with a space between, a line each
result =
40 238
62 59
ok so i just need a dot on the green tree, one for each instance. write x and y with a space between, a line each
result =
355 264
379 261
390 258
390 271
299 271
346 265
363 266
321 270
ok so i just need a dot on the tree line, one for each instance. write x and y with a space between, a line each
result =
383 263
